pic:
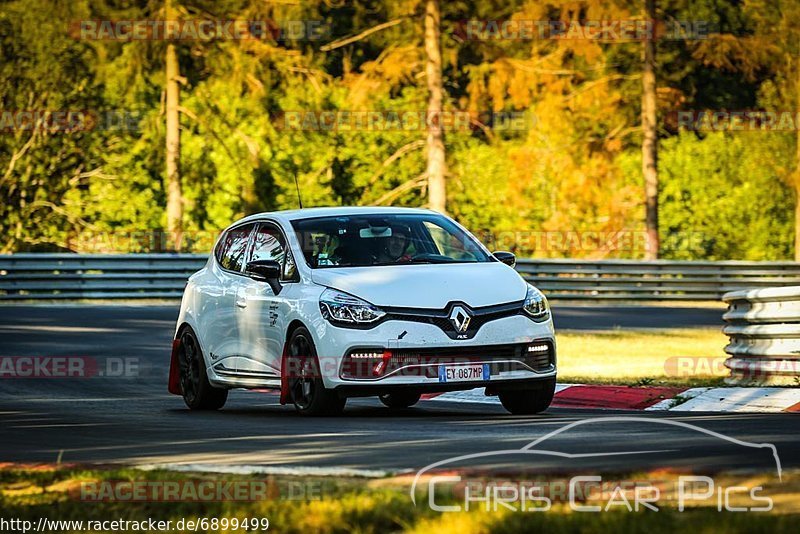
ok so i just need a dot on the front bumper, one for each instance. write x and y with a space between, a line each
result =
333 343
373 390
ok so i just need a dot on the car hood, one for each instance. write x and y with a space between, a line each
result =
427 285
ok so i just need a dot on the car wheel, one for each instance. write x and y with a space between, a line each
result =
197 391
528 401
399 400
306 388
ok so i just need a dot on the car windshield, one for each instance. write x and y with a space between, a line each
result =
367 240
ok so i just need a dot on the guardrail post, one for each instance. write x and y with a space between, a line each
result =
764 331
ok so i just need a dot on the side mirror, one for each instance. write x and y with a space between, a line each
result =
268 271
506 257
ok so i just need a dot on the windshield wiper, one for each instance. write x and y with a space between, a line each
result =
432 258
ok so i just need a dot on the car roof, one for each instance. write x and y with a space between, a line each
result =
309 213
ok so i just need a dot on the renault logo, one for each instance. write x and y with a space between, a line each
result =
460 318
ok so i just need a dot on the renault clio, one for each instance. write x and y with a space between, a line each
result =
325 304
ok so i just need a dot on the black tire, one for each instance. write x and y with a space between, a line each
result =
197 392
306 388
399 400
528 401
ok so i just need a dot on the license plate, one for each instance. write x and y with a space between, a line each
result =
463 373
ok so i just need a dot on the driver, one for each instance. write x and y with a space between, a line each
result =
396 247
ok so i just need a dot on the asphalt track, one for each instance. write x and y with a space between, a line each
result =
133 419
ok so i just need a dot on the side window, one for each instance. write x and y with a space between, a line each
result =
290 268
269 245
320 248
222 247
233 247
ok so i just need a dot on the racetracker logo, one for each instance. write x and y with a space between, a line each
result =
401 120
68 367
199 30
197 490
735 121
68 121
600 30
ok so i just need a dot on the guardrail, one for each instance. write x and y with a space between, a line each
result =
654 280
764 331
93 276
96 276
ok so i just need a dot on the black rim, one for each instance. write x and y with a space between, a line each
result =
302 384
188 358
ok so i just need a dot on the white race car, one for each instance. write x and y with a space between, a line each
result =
330 303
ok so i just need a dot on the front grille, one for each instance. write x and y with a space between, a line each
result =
425 361
441 318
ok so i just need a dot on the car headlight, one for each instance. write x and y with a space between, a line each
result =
346 310
536 305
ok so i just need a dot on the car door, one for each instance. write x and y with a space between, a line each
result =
221 330
261 313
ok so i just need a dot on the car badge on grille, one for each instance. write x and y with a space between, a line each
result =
460 318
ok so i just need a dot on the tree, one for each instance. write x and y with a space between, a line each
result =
208 147
173 140
43 74
437 166
770 45
578 96
778 39
704 182
650 134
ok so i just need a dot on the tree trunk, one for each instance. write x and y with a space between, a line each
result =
797 176
650 136
174 190
437 167
797 207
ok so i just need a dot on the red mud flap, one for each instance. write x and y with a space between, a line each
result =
174 385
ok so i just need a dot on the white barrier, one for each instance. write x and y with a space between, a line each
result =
764 331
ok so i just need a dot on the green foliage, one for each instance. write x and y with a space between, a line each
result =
573 169
722 197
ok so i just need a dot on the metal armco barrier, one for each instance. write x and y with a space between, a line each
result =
653 280
93 276
96 276
764 331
